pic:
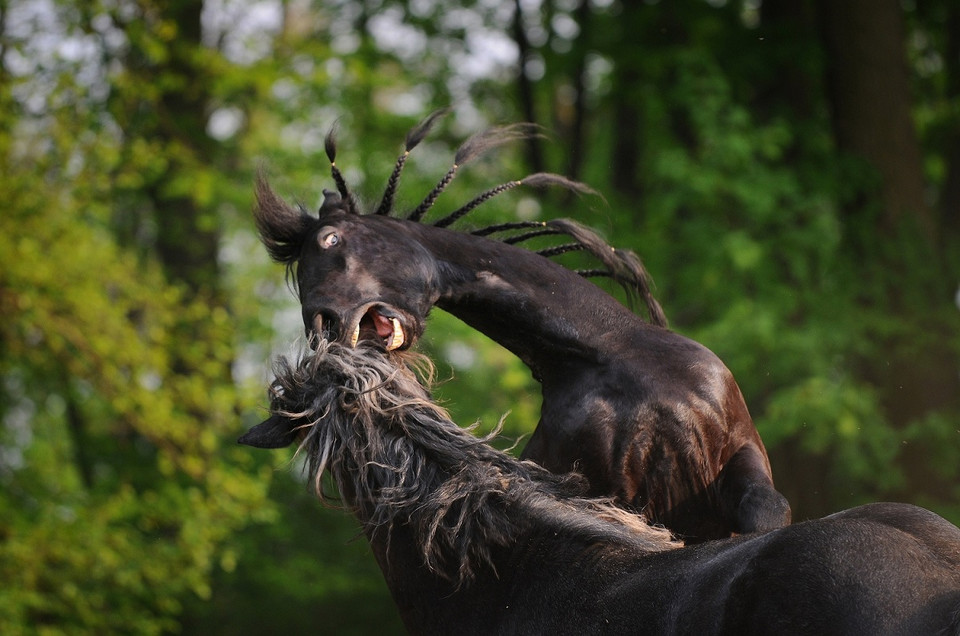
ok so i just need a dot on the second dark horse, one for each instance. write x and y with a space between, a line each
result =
650 417
473 541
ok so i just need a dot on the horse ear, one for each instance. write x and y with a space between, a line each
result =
276 432
332 201
282 228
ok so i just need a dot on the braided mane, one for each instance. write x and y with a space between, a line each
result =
280 226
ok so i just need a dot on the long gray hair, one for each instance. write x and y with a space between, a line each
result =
365 418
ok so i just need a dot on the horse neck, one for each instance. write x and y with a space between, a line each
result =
539 310
430 603
445 512
412 585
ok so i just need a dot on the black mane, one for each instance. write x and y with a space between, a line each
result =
283 230
396 457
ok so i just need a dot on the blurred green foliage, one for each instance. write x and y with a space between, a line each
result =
120 485
139 314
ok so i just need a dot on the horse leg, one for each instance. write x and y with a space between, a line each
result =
747 496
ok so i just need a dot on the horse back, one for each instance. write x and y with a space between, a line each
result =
875 569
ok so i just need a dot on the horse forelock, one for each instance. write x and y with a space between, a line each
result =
282 228
397 458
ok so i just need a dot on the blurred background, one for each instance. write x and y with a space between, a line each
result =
789 170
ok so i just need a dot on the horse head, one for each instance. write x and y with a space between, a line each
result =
372 277
364 278
300 396
359 276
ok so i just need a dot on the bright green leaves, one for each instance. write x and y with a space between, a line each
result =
118 406
120 482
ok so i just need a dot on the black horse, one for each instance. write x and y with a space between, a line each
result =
648 416
473 541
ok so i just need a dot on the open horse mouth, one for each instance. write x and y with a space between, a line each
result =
377 323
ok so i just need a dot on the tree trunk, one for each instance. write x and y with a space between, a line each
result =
950 193
788 30
626 153
869 90
578 124
914 366
187 236
525 88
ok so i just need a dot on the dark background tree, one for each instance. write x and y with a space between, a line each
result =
789 171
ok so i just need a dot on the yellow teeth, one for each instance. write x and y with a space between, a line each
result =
397 338
355 337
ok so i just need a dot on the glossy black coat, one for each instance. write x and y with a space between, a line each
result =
647 415
543 560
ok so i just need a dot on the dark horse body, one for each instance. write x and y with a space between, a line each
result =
650 417
473 541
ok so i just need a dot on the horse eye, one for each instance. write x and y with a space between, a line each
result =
329 239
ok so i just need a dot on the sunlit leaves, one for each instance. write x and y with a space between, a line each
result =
122 497
119 480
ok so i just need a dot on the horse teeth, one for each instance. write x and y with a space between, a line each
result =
356 336
397 338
